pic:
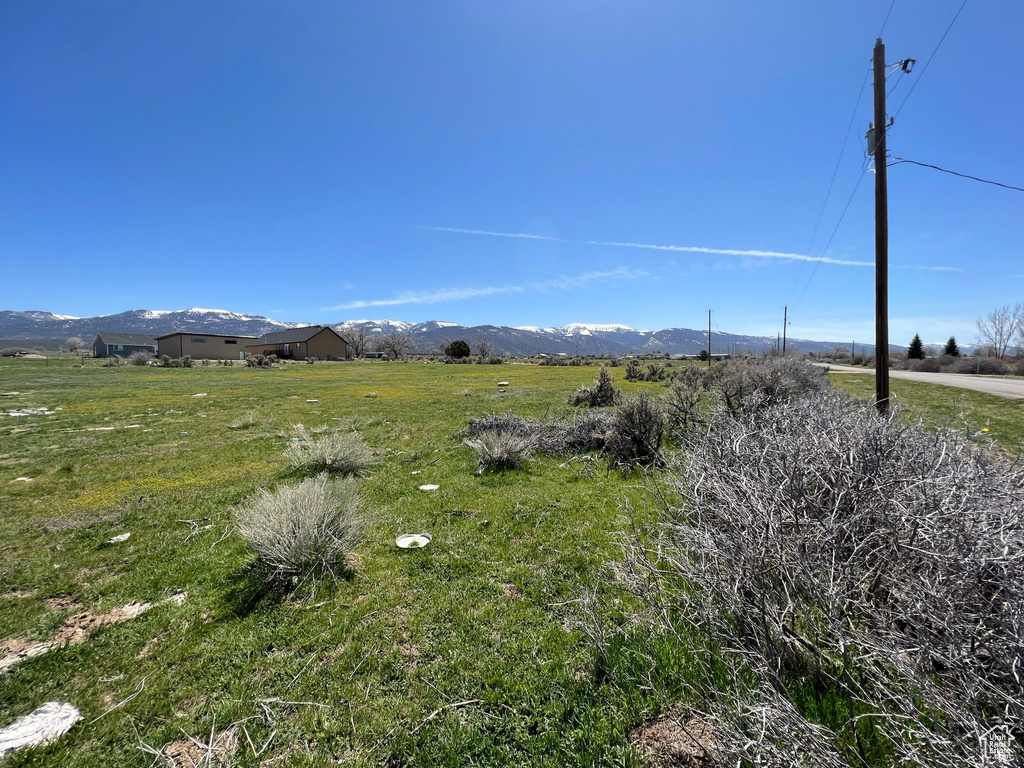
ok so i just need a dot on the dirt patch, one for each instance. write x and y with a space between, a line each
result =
149 646
57 524
191 753
60 603
410 650
677 739
73 631
510 591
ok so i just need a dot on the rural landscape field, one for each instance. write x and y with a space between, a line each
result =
483 648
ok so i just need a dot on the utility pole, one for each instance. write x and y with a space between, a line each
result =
881 237
709 338
785 313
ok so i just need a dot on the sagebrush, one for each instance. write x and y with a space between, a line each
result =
498 450
818 547
333 450
303 531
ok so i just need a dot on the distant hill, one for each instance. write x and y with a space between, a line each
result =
152 322
429 336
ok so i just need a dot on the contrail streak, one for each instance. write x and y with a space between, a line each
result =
680 248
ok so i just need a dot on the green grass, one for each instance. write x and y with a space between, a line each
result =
937 405
489 611
485 612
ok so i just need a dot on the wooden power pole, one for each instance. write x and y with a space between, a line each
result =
881 236
785 313
709 338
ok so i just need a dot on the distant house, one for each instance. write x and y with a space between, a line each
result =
319 341
122 344
203 346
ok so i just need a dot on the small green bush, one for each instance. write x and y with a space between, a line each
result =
599 394
636 432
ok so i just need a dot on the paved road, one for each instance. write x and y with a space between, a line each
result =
993 385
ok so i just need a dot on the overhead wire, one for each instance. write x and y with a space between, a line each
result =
817 263
835 171
886 20
929 61
900 160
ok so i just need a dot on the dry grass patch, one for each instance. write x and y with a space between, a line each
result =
676 740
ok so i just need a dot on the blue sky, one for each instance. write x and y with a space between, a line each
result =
509 163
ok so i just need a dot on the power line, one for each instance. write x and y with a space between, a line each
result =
886 21
899 160
925 67
835 171
841 217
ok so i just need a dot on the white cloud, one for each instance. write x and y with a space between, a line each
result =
564 283
682 248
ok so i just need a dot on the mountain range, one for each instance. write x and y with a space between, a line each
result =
429 336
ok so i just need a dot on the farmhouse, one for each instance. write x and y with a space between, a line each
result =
203 346
122 344
319 341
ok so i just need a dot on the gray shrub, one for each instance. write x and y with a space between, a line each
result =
501 450
330 451
580 432
815 541
303 531
140 357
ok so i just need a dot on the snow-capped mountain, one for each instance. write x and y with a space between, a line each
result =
429 336
153 322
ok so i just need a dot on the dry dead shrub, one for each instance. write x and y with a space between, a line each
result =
764 382
304 531
818 546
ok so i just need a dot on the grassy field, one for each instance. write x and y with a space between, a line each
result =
386 659
468 652
936 405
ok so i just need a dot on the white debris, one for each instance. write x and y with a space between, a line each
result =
47 723
28 412
119 538
502 383
415 472
412 540
429 487
199 394
312 401
22 480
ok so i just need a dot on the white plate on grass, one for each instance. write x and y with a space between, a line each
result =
413 540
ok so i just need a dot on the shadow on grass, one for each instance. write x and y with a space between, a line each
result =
253 592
